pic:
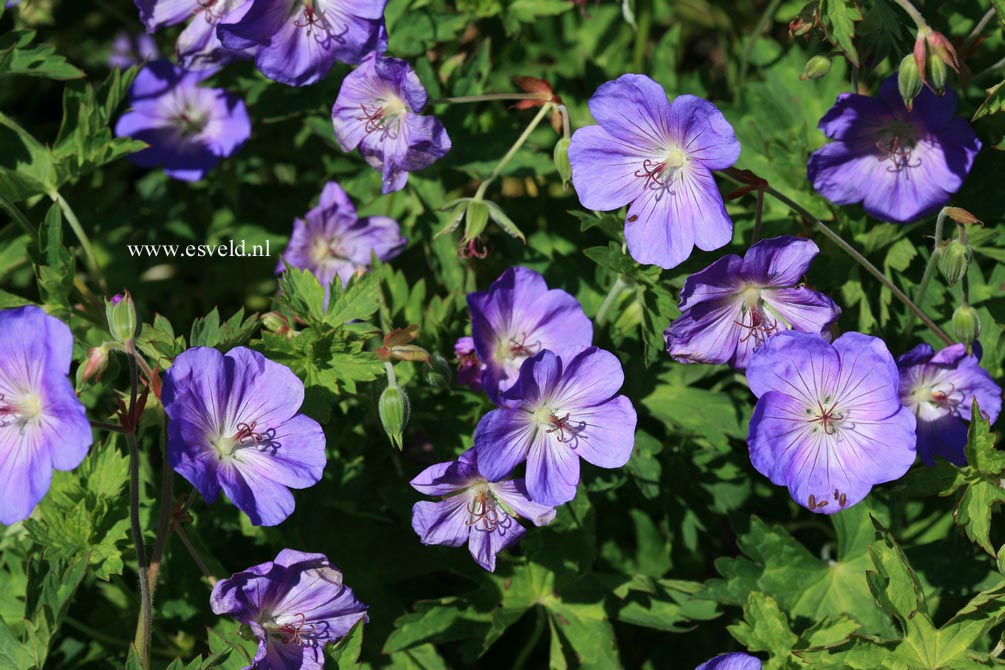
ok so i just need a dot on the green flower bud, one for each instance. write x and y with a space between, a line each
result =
475 219
562 163
393 409
937 73
816 67
954 260
966 324
909 80
121 315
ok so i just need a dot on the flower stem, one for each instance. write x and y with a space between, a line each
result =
913 12
183 536
861 260
142 639
513 149
463 99
103 425
18 216
85 242
609 300
392 379
919 294
164 518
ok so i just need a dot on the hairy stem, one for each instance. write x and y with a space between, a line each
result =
610 300
913 12
919 294
513 149
142 639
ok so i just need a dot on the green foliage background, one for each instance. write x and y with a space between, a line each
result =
686 552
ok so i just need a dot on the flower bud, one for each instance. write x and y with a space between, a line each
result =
966 324
393 409
475 219
562 163
816 67
909 80
121 314
954 260
937 73
942 49
97 362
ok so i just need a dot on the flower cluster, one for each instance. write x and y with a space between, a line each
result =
557 402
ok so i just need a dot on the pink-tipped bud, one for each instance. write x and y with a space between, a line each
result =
97 362
943 49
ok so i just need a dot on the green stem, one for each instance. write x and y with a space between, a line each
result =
463 99
142 639
392 379
748 49
610 300
512 150
110 427
18 216
915 15
919 294
645 20
85 242
164 519
535 636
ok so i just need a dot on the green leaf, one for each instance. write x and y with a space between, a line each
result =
697 411
207 331
839 17
995 101
357 302
303 294
663 604
345 654
984 491
159 342
27 167
17 57
51 586
764 627
54 266
13 654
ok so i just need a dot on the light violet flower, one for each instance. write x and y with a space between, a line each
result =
940 389
332 241
43 426
729 309
734 661
189 128
234 426
519 316
828 423
473 510
296 42
294 605
378 110
900 164
658 157
560 410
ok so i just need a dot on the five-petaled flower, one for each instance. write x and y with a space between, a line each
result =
296 42
659 157
189 128
828 423
900 164
234 425
332 241
473 509
294 605
940 389
729 309
378 110
560 410
519 316
42 424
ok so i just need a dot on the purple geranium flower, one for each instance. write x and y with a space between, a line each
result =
659 157
198 45
294 605
296 42
129 50
189 128
518 317
377 110
42 424
735 661
470 368
234 425
473 510
334 242
940 389
561 409
828 423
900 164
731 307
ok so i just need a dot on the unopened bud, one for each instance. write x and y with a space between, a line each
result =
937 73
475 219
942 49
909 80
816 67
97 362
393 409
960 215
954 260
562 163
966 324
121 315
